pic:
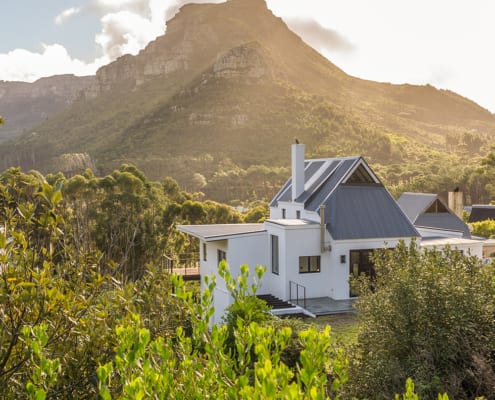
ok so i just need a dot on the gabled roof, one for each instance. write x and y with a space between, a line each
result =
481 212
357 204
321 177
365 212
220 231
427 210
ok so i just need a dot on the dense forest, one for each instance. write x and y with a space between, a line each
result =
88 310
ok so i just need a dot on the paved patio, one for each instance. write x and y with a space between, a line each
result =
326 306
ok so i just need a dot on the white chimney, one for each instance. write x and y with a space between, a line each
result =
297 170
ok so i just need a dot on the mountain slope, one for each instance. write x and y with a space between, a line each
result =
229 86
25 105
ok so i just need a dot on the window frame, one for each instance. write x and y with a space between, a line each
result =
274 254
313 264
221 255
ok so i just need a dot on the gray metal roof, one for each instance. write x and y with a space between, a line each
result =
321 177
414 206
220 231
354 211
445 221
481 212
365 212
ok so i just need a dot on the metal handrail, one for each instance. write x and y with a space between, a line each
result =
183 264
298 286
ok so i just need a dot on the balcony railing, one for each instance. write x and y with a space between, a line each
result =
186 264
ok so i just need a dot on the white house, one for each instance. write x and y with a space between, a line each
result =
324 223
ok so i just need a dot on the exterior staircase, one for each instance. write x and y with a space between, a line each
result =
282 308
274 302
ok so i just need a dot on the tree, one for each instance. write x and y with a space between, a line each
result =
427 315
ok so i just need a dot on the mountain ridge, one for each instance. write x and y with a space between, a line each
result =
230 81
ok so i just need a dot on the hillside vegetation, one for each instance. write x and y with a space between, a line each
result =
226 89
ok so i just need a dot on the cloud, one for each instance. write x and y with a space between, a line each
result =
319 37
129 25
23 65
66 14
140 7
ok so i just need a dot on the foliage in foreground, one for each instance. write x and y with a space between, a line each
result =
428 315
205 365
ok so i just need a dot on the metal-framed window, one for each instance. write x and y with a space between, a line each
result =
309 264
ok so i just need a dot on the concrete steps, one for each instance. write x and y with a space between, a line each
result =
275 302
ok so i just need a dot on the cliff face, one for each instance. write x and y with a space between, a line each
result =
25 105
197 37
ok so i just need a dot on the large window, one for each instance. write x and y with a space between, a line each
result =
274 252
222 255
309 264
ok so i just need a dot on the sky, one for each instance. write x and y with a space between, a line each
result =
445 43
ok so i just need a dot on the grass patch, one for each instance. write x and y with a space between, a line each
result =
344 327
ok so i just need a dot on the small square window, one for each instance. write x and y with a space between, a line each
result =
309 264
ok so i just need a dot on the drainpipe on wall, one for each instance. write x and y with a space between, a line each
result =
322 228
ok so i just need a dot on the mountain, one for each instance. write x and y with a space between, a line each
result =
25 105
228 87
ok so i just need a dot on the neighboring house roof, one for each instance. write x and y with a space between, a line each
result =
481 212
220 231
357 204
427 210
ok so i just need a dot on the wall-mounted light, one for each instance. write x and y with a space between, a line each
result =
342 259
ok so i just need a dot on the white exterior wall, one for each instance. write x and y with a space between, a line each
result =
472 249
296 241
275 283
210 266
251 250
431 232
244 249
291 211
339 289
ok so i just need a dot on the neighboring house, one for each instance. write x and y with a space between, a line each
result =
324 223
481 212
437 223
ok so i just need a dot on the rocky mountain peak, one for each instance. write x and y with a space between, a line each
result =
195 38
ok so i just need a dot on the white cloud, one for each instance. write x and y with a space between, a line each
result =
66 14
127 32
127 26
23 65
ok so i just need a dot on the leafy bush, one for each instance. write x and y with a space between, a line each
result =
429 316
483 228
